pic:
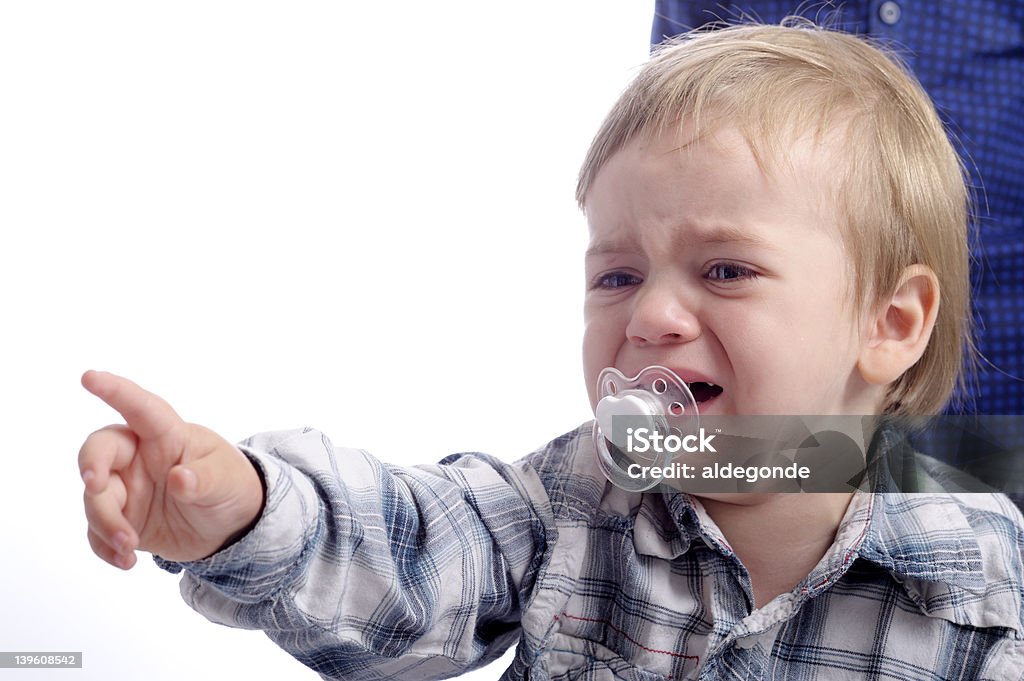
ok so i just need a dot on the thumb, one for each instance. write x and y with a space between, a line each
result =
200 482
226 495
223 478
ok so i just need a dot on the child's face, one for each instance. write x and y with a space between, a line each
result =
701 262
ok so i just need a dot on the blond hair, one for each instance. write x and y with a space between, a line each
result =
900 184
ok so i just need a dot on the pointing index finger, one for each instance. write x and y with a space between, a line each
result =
145 413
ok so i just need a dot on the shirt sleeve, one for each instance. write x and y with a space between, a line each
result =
362 570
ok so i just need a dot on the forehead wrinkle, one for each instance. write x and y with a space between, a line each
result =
609 246
709 236
682 242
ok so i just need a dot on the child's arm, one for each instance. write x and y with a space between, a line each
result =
159 484
356 568
364 570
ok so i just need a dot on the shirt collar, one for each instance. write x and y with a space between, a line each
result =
918 536
913 536
926 542
924 537
948 567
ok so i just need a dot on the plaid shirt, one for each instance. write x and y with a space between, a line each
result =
366 571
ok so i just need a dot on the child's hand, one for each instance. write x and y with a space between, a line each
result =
159 484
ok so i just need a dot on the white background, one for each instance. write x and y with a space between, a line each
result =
356 216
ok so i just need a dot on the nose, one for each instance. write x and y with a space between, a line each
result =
661 316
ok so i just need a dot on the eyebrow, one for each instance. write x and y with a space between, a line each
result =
606 247
722 234
727 234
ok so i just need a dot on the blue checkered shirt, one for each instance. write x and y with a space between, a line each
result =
969 56
367 571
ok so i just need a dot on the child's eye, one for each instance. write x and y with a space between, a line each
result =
729 271
614 280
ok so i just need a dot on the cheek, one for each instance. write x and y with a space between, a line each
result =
604 329
594 359
768 354
602 339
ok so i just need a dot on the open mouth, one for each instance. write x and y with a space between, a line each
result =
702 392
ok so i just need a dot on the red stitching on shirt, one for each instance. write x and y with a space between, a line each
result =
628 637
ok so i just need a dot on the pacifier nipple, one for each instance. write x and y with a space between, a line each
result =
631 413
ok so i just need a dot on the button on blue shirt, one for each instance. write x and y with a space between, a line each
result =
890 12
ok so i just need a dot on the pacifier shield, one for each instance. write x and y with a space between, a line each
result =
631 410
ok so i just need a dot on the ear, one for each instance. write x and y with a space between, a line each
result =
899 329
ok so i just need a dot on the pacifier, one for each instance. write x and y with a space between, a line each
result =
628 414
